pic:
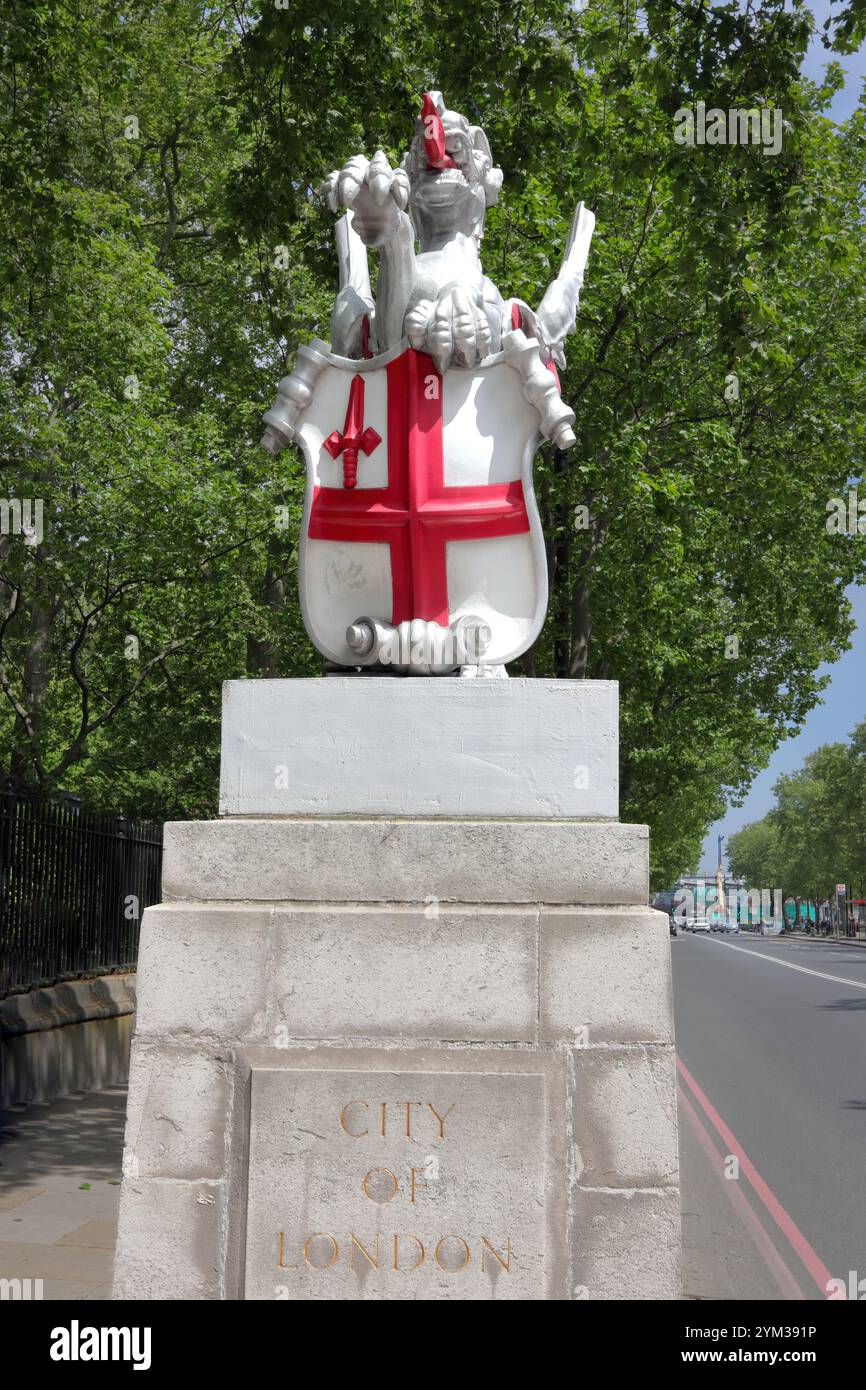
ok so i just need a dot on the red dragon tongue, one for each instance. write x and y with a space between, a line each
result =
434 136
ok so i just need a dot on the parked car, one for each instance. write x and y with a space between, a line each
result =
672 923
697 924
726 924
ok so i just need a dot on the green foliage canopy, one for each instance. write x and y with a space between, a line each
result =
815 836
163 255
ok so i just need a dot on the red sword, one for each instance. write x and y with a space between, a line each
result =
354 439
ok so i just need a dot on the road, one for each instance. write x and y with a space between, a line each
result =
771 1038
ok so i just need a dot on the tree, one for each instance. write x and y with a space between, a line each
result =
754 855
715 371
815 835
134 341
845 31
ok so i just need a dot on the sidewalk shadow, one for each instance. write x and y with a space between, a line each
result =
78 1134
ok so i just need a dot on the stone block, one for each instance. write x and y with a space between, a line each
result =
202 972
177 1113
389 860
626 1246
440 973
416 1176
168 1240
72 1001
604 976
625 1117
406 936
373 746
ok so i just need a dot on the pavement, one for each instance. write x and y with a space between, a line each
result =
59 1190
771 1042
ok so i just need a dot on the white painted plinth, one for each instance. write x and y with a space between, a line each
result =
380 746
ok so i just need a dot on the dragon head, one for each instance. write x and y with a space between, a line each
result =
451 172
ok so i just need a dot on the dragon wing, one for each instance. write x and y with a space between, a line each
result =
354 300
557 311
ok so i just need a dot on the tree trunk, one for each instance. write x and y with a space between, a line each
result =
262 651
26 759
581 627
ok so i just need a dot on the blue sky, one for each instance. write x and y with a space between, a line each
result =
844 705
854 64
844 701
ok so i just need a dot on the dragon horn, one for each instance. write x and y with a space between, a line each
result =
434 136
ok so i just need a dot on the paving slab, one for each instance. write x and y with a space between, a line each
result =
59 1191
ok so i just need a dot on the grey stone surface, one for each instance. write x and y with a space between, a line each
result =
626 1245
389 860
176 1118
606 972
168 1240
625 1117
42 1065
68 1037
550 1022
457 1180
390 746
466 974
73 1001
202 972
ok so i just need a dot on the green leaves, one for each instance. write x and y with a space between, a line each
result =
716 370
815 836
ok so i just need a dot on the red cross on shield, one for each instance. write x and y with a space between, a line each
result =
439 520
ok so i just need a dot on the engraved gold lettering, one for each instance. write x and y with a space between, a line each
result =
457 1268
350 1122
344 1126
355 1244
324 1236
420 1260
414 1183
506 1263
280 1264
380 1200
441 1118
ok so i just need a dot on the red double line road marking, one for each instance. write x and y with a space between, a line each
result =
786 1224
785 1281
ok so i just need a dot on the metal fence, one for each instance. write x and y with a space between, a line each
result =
73 886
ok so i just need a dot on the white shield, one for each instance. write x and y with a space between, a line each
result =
419 499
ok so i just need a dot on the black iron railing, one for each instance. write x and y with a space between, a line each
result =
73 886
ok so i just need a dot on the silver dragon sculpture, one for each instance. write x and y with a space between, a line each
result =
438 295
426 219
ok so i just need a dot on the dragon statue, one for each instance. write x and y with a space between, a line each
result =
470 465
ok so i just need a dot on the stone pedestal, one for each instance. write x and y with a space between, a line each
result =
404 1026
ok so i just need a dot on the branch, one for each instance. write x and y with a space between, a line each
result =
16 704
75 750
